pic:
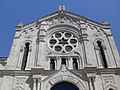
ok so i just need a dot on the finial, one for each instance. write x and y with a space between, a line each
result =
104 22
20 24
19 27
61 8
106 25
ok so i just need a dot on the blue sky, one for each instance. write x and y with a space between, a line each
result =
14 11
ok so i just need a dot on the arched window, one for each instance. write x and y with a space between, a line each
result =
75 63
25 56
102 54
64 86
52 64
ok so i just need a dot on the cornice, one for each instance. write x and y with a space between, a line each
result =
109 71
41 71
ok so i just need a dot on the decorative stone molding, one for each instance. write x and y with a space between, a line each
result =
19 83
108 79
91 72
37 82
67 78
29 36
3 61
91 75
37 76
61 20
19 88
63 78
41 35
91 26
64 75
20 80
110 87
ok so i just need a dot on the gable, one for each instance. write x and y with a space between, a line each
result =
61 16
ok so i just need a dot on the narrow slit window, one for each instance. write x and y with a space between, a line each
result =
102 54
25 56
52 64
75 63
63 61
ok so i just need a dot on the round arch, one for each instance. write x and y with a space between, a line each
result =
64 86
65 78
66 27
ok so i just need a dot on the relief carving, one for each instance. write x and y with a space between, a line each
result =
20 83
29 36
61 20
26 32
18 88
63 77
109 80
91 26
20 80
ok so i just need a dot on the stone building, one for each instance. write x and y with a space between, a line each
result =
62 50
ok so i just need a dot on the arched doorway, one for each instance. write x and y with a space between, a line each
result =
64 86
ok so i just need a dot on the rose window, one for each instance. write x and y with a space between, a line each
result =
63 42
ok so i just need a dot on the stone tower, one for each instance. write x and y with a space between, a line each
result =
62 49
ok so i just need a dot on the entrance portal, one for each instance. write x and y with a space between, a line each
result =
64 86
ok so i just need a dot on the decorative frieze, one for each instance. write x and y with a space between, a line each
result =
61 20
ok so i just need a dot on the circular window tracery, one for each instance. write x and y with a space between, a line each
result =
63 42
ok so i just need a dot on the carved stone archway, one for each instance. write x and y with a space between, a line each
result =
64 86
65 78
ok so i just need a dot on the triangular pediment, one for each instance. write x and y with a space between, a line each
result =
61 17
64 74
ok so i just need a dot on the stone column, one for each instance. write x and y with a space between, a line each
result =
39 84
29 58
107 56
78 63
91 83
91 74
70 63
58 63
35 84
55 64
